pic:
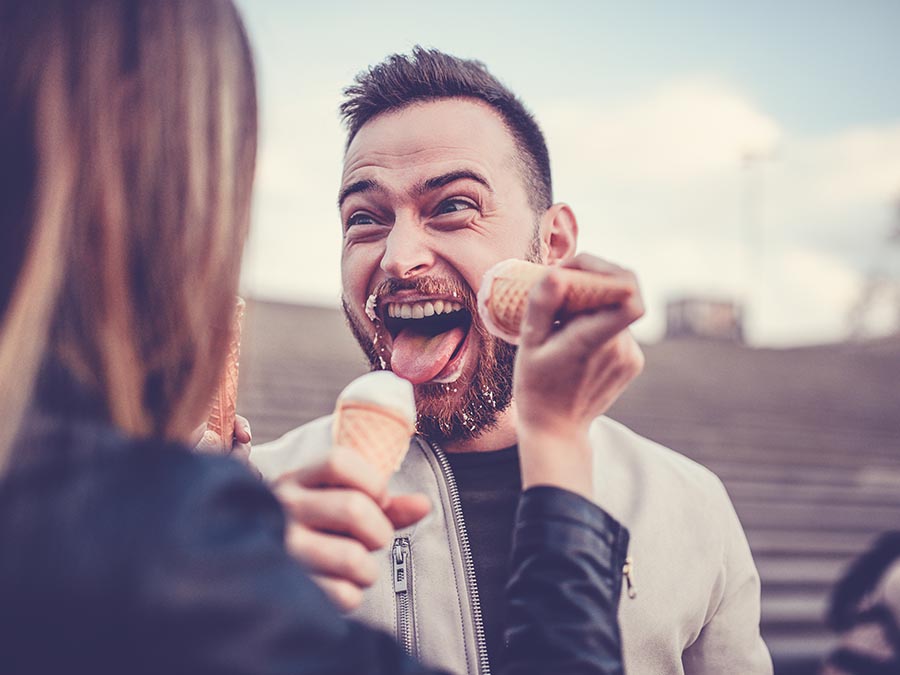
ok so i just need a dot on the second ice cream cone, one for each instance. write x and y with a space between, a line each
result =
224 406
503 295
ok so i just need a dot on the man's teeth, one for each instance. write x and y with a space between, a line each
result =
419 310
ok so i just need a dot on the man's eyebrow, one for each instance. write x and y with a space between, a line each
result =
447 178
358 186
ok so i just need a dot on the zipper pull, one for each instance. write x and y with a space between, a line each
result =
399 557
628 573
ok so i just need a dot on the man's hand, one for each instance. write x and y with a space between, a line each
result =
338 514
208 441
566 375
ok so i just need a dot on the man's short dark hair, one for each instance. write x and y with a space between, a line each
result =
428 75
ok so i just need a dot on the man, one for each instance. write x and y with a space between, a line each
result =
445 174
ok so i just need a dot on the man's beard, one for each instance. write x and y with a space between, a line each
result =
468 407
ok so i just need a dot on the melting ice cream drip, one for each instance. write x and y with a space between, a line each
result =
370 308
380 348
489 395
377 343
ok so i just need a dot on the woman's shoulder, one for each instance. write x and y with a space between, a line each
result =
124 489
122 543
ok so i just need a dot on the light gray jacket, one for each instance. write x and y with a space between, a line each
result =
697 608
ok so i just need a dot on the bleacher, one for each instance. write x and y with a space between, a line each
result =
806 440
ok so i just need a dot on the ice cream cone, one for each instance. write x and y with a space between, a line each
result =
378 434
375 415
504 290
222 412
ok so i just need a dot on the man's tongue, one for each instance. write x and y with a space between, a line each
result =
419 358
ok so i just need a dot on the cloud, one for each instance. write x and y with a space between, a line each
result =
659 183
840 191
675 133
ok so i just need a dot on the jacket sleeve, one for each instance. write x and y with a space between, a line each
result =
730 641
563 593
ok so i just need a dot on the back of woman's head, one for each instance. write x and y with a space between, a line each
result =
128 136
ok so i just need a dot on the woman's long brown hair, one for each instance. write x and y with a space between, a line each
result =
131 126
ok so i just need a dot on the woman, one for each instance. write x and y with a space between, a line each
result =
128 136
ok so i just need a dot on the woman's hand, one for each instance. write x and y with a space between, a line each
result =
567 375
204 440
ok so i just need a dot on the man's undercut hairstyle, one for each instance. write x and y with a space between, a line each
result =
430 75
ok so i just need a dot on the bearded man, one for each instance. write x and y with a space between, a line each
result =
445 174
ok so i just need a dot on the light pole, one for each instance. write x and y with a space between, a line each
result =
753 233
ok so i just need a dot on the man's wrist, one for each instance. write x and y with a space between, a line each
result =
555 459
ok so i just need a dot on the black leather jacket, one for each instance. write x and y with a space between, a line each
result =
121 556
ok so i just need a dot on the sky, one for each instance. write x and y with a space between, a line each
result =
730 150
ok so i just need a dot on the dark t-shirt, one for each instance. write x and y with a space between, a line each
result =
489 487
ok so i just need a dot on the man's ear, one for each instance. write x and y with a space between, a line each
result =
559 234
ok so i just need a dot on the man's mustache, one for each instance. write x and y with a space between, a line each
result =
428 286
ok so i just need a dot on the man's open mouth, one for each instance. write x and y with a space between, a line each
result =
429 338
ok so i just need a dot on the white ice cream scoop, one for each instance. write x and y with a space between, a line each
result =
382 388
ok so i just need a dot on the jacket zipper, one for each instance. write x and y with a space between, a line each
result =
401 566
484 667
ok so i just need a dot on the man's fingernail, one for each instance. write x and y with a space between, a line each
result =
247 431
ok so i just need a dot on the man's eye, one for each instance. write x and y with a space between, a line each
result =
360 219
454 206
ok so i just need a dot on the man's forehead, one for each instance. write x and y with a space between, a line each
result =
446 130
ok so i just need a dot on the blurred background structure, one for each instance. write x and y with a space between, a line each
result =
742 158
807 441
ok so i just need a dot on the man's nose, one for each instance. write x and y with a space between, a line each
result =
407 252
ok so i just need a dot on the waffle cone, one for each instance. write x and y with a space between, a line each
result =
378 434
506 296
224 405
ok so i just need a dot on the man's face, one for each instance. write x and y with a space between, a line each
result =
431 197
